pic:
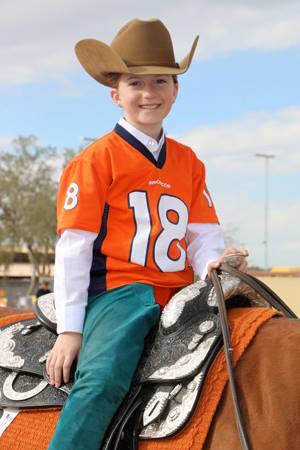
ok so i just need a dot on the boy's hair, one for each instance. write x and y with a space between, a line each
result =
114 79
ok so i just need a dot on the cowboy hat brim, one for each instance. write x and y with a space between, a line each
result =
99 60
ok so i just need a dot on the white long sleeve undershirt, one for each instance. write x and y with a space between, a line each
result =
73 260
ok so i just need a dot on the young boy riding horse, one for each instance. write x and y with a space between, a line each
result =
135 220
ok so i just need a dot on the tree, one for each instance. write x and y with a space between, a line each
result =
28 189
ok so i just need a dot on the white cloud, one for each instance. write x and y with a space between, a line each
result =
229 146
263 26
37 41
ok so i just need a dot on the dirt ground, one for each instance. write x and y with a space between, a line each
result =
287 288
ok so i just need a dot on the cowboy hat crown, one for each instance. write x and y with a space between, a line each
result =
141 47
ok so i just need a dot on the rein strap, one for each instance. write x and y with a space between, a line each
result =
228 350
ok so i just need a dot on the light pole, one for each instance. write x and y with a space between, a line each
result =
267 157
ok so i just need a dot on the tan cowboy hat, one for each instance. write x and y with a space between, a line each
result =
141 47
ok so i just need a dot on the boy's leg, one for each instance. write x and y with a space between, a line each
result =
116 325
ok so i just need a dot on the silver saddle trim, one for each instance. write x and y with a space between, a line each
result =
12 394
171 405
187 330
177 360
23 390
44 309
7 345
233 286
174 404
173 310
186 365
23 345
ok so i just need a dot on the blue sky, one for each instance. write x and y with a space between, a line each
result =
241 96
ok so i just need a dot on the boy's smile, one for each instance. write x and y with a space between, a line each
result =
146 100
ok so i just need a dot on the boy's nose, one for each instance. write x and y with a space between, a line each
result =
149 91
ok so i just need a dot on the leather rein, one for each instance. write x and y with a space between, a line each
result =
275 302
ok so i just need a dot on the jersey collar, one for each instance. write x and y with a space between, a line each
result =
152 145
141 142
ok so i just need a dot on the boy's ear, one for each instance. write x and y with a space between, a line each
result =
115 96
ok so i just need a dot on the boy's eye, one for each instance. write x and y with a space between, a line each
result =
133 83
161 80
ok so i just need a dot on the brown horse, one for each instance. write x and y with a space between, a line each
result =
268 380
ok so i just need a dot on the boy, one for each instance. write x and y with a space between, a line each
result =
133 209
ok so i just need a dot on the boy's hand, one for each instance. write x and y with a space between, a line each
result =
65 350
229 251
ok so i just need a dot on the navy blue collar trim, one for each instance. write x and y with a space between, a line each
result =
141 147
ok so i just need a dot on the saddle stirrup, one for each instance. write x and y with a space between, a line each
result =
228 356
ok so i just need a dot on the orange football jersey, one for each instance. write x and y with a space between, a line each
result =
139 207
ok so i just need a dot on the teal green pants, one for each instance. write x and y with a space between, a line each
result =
115 327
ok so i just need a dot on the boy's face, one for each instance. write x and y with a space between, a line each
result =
146 100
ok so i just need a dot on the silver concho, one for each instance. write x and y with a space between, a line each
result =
195 342
206 326
11 394
174 413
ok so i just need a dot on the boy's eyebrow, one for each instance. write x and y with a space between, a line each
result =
136 77
131 77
